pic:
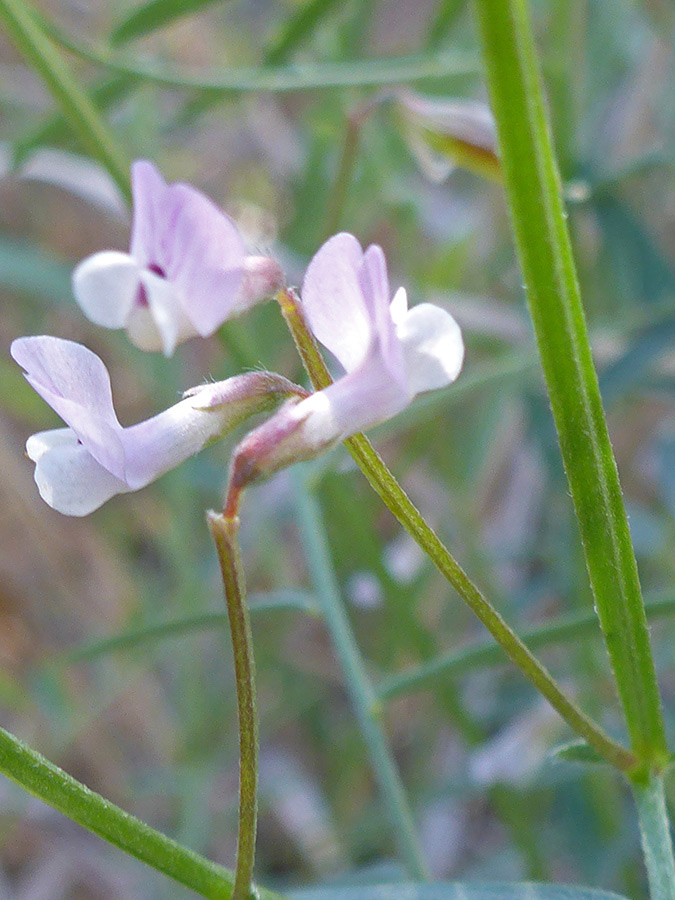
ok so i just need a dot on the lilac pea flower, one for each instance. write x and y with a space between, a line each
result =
80 467
187 270
389 355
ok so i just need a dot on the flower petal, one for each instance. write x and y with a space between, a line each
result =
375 283
76 384
168 320
207 412
333 301
398 308
213 297
67 475
432 347
106 286
152 205
361 399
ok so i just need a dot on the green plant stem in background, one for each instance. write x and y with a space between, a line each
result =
535 200
481 655
305 77
55 787
224 531
363 698
395 498
25 31
282 601
656 839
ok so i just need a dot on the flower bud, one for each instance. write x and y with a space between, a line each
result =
443 133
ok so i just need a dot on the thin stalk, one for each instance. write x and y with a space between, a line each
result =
306 77
224 531
538 216
396 499
657 843
41 778
281 601
362 695
28 36
481 655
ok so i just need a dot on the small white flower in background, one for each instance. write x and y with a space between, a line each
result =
444 133
80 467
187 270
389 354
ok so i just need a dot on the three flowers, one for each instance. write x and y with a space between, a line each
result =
186 273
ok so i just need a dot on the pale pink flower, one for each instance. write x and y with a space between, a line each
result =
187 270
389 355
79 467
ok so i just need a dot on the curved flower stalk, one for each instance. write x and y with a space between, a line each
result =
389 355
443 133
187 270
80 467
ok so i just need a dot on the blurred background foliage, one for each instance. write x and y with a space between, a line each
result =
151 721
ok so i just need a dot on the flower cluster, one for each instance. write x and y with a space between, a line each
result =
187 272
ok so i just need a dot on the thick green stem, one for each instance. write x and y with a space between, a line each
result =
224 531
362 695
396 499
44 780
657 844
82 115
539 220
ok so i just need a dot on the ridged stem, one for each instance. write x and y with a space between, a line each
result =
534 195
225 530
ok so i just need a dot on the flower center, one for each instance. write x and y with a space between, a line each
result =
142 296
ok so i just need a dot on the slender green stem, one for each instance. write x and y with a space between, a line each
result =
395 498
224 531
482 654
49 783
657 843
366 707
279 600
306 77
25 31
539 221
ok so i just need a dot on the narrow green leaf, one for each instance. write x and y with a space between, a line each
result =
481 655
44 780
578 752
296 28
538 216
306 77
55 131
456 891
153 15
24 30
295 601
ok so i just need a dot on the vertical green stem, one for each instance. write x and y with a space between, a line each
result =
224 530
78 109
535 200
363 697
657 844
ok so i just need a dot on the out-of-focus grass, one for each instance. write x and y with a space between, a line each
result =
154 727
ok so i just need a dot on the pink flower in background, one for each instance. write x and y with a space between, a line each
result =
389 355
79 467
186 272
